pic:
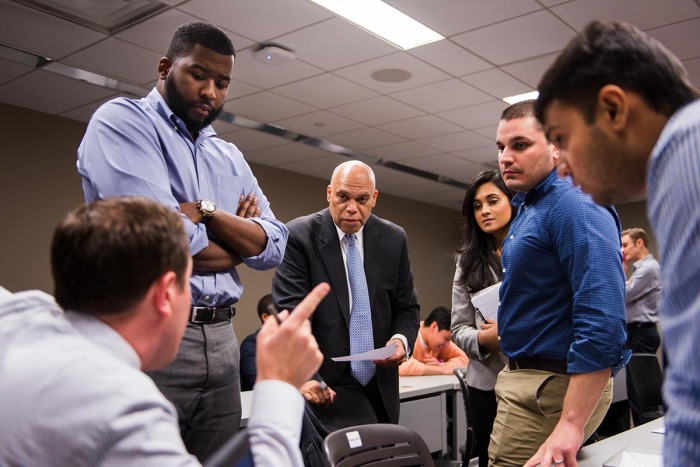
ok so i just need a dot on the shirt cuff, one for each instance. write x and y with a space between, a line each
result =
405 343
278 404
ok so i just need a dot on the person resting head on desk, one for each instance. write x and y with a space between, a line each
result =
434 352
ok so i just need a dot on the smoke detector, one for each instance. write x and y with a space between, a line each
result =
273 54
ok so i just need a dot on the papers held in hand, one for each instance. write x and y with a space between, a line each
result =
486 302
377 354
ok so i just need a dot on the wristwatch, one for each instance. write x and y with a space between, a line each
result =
207 208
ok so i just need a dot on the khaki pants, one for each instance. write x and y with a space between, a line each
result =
529 407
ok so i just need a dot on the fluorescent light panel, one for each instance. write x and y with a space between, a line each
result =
384 21
521 97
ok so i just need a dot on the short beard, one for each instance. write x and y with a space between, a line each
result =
179 106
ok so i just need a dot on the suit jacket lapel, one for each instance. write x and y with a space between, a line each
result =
329 247
374 255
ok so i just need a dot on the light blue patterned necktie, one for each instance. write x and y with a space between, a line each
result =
361 335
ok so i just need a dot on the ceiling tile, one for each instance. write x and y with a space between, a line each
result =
450 17
497 83
489 131
693 67
262 75
53 87
644 14
443 95
448 165
321 168
530 71
41 34
239 89
336 91
251 140
364 138
391 181
475 116
287 154
450 58
260 20
421 72
452 198
553 2
683 39
377 110
319 124
223 127
506 43
116 58
487 156
11 70
464 139
420 127
155 33
404 150
334 43
84 112
267 107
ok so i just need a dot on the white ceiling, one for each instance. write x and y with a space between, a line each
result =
442 120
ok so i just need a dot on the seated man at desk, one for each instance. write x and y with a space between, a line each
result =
249 371
434 352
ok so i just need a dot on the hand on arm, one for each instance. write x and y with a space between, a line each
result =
581 398
395 360
488 335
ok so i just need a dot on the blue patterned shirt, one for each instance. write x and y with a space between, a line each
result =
673 180
140 148
563 291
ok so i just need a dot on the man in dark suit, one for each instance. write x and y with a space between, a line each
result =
320 249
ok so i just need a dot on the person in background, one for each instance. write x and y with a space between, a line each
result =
248 352
487 215
163 147
372 303
561 319
626 119
643 293
434 352
73 390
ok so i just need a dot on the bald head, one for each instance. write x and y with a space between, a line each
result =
351 195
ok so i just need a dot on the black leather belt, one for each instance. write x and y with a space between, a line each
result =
638 325
210 314
545 364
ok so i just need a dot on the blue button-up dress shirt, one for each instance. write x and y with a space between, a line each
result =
140 148
563 290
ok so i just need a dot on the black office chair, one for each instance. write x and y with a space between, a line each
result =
380 444
644 381
468 449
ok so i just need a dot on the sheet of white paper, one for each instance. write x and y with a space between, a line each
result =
377 354
487 301
661 431
640 459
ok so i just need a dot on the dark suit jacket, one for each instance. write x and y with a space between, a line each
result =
313 255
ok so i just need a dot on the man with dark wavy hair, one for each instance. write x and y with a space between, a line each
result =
626 119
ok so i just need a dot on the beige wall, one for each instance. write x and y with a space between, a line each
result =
39 184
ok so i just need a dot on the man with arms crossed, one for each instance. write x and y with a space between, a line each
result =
72 389
372 301
561 320
626 119
163 147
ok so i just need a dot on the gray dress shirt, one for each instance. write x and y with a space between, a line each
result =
643 295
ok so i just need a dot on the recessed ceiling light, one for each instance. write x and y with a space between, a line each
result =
273 54
521 97
391 75
384 21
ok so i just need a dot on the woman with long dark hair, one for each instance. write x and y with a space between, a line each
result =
487 215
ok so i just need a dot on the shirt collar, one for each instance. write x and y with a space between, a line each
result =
157 102
545 185
643 260
359 235
103 335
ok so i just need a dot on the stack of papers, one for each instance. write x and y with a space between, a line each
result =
486 301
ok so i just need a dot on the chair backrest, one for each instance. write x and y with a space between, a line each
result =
470 442
380 444
645 379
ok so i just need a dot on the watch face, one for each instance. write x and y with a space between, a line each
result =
207 206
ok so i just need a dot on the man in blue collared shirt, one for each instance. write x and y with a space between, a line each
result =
163 147
627 120
562 315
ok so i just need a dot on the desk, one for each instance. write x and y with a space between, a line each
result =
424 408
595 454
430 406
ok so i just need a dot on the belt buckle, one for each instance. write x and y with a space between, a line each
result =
197 318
